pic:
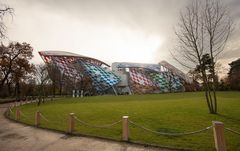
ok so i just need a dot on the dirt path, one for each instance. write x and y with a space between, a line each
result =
18 137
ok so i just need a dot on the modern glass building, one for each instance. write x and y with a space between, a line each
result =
122 78
137 78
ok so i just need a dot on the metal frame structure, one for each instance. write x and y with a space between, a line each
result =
79 67
124 78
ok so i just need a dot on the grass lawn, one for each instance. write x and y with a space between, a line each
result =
172 112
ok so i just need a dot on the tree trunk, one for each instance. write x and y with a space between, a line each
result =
9 88
214 91
54 88
207 92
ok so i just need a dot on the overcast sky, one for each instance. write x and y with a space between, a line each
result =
109 30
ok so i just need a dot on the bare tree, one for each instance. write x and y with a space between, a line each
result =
55 76
202 33
42 78
4 11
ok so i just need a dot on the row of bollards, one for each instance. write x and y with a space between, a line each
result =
15 104
218 128
125 127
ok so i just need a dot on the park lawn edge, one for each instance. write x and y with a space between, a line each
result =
134 141
157 146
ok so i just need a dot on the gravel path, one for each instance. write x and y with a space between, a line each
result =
19 137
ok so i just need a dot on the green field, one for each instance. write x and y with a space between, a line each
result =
171 113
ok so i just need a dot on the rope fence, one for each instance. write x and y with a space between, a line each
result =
43 117
24 115
62 118
28 101
39 116
94 126
10 110
218 127
170 134
233 131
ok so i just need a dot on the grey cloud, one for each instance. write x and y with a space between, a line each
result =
234 53
148 16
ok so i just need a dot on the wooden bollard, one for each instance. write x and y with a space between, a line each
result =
125 129
218 132
17 114
37 118
71 122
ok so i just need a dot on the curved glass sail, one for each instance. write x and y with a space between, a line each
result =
102 79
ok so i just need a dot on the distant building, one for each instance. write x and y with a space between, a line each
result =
138 78
124 78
